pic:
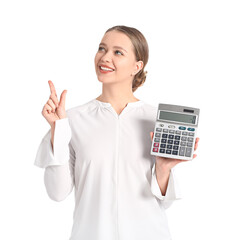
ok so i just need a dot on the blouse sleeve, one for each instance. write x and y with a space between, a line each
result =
57 162
172 192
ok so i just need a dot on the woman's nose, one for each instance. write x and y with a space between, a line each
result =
106 57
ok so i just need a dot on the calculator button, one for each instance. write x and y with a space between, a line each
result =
162 150
164 135
184 138
190 139
155 149
170 141
191 134
161 125
171 126
171 136
182 128
172 131
175 152
157 134
163 140
182 151
169 146
165 130
188 152
157 139
168 151
159 129
189 144
162 145
191 129
177 137
184 133
175 147
156 144
183 143
178 132
176 142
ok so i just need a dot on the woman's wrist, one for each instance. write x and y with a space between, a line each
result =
162 167
162 175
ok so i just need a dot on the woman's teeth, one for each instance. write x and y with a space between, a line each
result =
106 69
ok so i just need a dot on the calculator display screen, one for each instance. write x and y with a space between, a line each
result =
177 117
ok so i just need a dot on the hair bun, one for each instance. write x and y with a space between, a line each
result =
139 80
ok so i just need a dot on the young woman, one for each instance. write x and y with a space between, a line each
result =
102 150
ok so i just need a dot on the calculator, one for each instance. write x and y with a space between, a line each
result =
175 131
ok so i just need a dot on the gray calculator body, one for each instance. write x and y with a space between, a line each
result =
175 131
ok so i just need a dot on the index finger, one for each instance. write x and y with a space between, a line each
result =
52 88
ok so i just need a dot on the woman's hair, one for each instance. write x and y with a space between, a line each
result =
141 50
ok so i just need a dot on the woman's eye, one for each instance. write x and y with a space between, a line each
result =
101 49
118 52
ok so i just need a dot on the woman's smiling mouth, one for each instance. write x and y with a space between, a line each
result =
105 69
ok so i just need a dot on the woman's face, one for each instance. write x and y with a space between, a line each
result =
115 60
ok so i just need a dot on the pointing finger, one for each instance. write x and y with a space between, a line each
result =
52 88
54 99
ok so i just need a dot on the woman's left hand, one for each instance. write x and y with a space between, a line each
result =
165 164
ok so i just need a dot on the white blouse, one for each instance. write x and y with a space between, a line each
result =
106 158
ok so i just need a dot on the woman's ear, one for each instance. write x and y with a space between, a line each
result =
138 67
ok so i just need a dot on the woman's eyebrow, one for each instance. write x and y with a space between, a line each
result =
114 47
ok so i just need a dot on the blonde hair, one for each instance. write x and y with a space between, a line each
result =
141 50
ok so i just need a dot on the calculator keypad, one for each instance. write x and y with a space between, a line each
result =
174 142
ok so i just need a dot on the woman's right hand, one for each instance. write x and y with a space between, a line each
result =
54 109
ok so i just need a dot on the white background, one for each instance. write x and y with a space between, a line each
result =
191 63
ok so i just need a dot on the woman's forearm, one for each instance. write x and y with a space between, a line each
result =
58 181
162 178
52 135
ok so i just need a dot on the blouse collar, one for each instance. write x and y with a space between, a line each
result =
107 104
